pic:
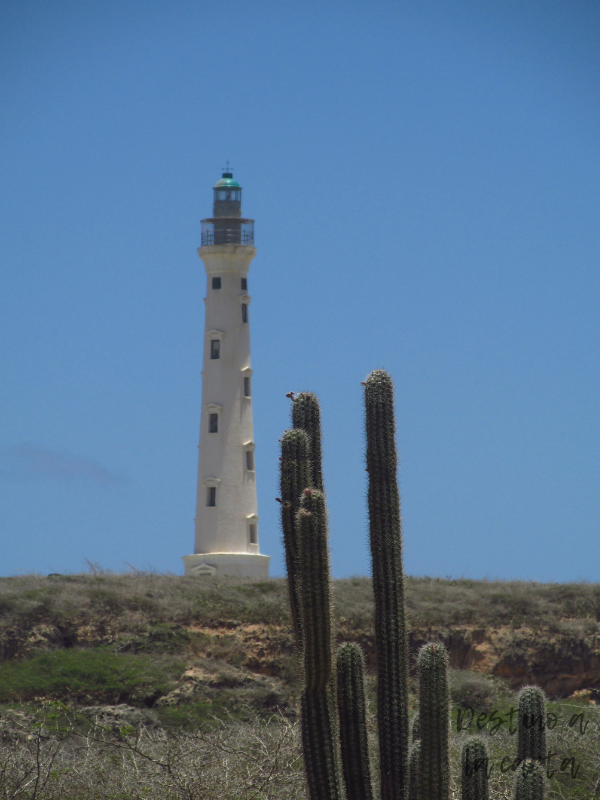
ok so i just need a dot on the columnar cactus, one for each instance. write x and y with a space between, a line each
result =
315 596
294 478
353 725
388 586
306 415
530 781
414 756
532 723
434 714
414 760
415 728
318 746
474 770
315 589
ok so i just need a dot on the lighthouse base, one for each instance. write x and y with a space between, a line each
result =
228 565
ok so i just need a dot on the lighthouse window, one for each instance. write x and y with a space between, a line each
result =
249 460
216 283
231 195
244 312
213 423
247 392
244 284
253 535
211 496
215 348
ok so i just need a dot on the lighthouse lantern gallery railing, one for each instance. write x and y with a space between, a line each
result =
227 230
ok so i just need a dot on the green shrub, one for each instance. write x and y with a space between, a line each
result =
98 675
472 689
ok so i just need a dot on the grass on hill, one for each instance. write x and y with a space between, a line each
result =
138 599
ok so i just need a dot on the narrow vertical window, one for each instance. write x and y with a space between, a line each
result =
215 348
250 460
247 387
253 534
213 423
211 496
216 283
244 284
244 312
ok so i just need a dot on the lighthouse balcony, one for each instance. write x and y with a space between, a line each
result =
227 230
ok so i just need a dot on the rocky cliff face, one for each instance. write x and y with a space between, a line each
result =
562 663
546 634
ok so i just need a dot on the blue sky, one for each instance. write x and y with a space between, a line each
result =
425 182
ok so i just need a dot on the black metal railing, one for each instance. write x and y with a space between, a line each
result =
227 230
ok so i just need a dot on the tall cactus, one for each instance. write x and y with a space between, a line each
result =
353 725
294 478
388 586
531 723
414 777
315 595
434 714
318 746
474 770
306 415
530 781
315 589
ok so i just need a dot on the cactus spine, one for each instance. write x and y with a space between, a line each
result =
353 725
434 720
474 770
388 586
294 478
306 415
532 724
315 595
530 781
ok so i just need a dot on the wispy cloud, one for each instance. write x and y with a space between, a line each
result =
27 462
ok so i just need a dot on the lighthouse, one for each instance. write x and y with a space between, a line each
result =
227 531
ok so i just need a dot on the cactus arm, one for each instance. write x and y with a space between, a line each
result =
353 725
318 741
474 770
306 415
388 585
293 479
318 745
315 589
414 771
434 714
531 723
530 781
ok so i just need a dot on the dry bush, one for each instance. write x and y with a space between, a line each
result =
45 759
46 756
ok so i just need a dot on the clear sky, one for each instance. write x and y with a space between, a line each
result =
425 181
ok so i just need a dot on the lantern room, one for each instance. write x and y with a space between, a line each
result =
226 226
227 197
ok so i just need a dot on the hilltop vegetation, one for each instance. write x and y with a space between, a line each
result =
129 638
191 666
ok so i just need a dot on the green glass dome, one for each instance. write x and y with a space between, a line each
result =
227 180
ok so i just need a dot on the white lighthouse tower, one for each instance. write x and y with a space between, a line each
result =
226 541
